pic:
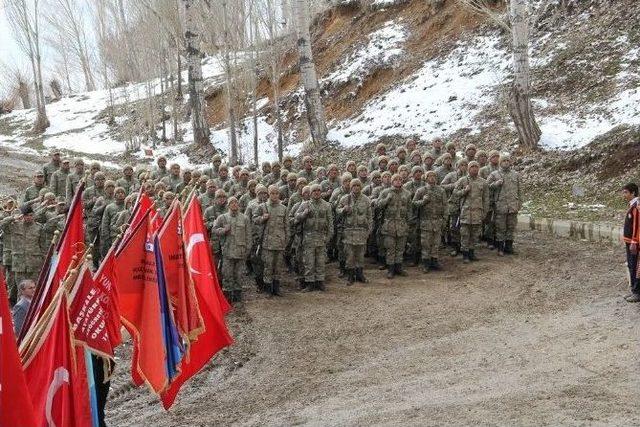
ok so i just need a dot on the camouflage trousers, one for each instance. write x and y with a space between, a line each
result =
505 226
354 255
342 255
314 258
469 236
488 226
430 239
382 252
454 228
232 272
394 246
273 262
413 240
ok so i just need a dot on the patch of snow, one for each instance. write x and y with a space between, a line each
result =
569 131
442 97
384 46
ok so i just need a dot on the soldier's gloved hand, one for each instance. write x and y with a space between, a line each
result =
499 182
265 217
467 189
348 209
227 229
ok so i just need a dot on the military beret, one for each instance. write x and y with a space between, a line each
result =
470 147
306 189
261 189
220 193
302 180
316 187
416 169
474 164
356 181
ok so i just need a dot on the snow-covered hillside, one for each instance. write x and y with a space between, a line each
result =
453 93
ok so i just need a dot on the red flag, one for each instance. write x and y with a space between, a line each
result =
55 374
179 285
70 245
140 209
88 314
105 281
215 336
16 408
140 307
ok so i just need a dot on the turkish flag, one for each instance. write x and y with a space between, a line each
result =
55 371
105 281
211 302
88 313
70 245
140 313
179 286
140 209
16 408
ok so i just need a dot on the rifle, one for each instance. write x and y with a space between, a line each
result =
264 228
460 204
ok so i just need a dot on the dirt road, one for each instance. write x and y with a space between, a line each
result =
540 338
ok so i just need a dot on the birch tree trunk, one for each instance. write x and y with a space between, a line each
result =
196 89
254 39
520 108
23 92
313 103
233 157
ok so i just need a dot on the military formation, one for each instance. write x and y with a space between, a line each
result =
406 205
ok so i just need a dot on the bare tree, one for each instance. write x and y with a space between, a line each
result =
196 88
519 100
312 100
226 43
24 19
520 107
67 21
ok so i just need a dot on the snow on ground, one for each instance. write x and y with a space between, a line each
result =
442 97
384 46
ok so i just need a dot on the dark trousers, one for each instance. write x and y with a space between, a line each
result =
632 264
102 388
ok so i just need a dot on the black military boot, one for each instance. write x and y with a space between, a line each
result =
416 259
426 265
308 286
275 289
472 255
456 249
491 244
399 270
343 271
302 284
391 269
381 263
500 246
435 265
465 257
260 283
228 295
320 285
351 276
237 295
360 276
508 247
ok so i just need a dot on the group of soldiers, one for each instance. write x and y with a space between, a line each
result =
405 205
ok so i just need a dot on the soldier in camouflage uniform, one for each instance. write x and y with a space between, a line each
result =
128 181
90 197
248 195
357 217
374 182
381 151
94 220
49 169
396 203
415 159
331 182
52 216
473 192
430 203
287 163
233 228
208 198
429 160
321 175
210 216
8 210
297 196
273 216
240 187
378 219
167 199
160 171
488 225
453 226
107 235
317 227
58 180
73 179
413 239
27 247
401 155
223 181
505 184
363 175
266 169
445 168
274 176
336 246
286 191
482 159
293 253
173 181
32 194
383 164
470 152
256 265
307 169
212 172
436 148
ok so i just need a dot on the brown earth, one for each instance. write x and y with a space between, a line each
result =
542 338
